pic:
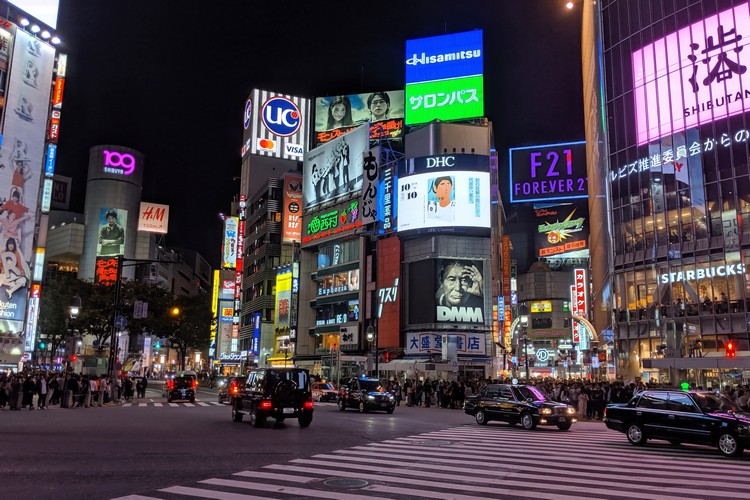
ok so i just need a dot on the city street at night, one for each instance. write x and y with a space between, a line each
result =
152 449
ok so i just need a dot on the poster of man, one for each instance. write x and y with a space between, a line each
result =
337 115
460 291
111 232
441 199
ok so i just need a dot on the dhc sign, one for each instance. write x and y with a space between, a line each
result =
699 274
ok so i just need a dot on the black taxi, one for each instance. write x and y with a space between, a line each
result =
518 404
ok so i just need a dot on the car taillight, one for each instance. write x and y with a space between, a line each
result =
605 412
234 389
309 404
170 384
195 384
265 405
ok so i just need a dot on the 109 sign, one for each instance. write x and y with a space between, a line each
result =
550 172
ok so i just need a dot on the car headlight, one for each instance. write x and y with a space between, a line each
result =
391 397
546 411
571 410
371 397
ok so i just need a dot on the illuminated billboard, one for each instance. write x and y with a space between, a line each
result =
444 192
693 76
276 125
229 244
337 115
154 218
112 224
44 10
335 168
292 230
548 172
561 229
444 77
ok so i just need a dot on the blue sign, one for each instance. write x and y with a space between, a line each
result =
49 165
255 346
248 112
443 57
281 116
514 298
121 322
501 308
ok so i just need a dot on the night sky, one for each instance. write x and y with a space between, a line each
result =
172 82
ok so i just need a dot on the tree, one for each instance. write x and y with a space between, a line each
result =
189 322
54 310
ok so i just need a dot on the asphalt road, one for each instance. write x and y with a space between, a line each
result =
118 450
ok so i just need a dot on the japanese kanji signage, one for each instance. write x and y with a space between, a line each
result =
370 185
549 172
333 222
106 271
229 247
444 77
388 199
471 344
578 295
292 208
693 76
561 229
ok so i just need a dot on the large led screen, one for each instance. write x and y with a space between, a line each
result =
548 172
112 224
444 192
562 229
693 76
276 125
444 77
335 168
337 115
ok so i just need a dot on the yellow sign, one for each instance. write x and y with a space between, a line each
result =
541 306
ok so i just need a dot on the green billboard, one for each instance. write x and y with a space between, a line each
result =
451 99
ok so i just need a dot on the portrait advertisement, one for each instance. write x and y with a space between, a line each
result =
441 198
337 115
335 169
459 295
111 239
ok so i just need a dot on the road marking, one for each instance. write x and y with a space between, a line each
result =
188 404
256 474
197 492
128 404
143 404
136 497
288 490
157 404
203 404
173 404
216 403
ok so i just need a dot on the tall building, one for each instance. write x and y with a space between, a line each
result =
674 163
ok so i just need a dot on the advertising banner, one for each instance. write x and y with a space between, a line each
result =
467 344
276 125
283 298
335 168
154 218
388 199
506 289
447 191
459 295
106 271
371 167
549 172
6 42
337 115
255 345
693 76
344 281
444 77
229 245
292 230
112 224
561 229
337 221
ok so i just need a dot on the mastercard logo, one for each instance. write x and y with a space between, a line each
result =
266 145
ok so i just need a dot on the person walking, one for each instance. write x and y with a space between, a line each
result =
583 403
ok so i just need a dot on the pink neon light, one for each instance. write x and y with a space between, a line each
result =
666 64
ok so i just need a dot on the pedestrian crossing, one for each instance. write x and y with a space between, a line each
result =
494 461
157 404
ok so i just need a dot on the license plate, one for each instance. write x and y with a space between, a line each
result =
382 404
561 419
288 410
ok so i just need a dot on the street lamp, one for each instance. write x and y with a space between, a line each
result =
373 335
74 309
523 313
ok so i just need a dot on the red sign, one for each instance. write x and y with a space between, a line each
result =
576 332
580 297
106 271
36 290
54 129
57 93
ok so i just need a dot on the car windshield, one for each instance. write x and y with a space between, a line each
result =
299 377
532 393
710 403
183 383
371 386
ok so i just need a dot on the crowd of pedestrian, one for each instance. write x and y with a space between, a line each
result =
40 389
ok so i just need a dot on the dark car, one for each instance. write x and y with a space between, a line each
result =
365 394
516 404
280 393
181 387
230 388
692 417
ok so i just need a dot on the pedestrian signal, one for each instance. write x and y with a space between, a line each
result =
731 349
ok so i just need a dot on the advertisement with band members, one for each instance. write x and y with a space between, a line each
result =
460 291
444 191
337 115
112 224
335 168
561 229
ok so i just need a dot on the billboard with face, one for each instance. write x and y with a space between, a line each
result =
549 172
693 76
337 115
112 224
444 192
276 125
335 168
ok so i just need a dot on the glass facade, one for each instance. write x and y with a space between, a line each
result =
678 173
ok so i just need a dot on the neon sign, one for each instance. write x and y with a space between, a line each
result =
118 163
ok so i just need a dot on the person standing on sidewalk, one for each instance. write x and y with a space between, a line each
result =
29 386
41 389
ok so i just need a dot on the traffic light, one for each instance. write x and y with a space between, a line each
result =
42 344
73 358
157 345
731 349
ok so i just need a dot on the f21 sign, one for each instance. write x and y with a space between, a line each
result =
549 172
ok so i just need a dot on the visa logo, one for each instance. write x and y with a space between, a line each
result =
294 150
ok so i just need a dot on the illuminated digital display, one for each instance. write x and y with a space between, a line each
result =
549 172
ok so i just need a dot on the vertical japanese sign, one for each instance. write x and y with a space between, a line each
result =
693 76
105 272
580 305
238 273
229 246
574 307
387 198
370 185
508 316
255 345
292 230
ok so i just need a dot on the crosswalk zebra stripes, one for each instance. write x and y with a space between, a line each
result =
496 461
169 405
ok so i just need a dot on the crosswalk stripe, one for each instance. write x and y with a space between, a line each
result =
173 404
143 404
127 404
157 404
201 493
188 404
289 490
135 497
204 404
411 492
256 474
216 403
